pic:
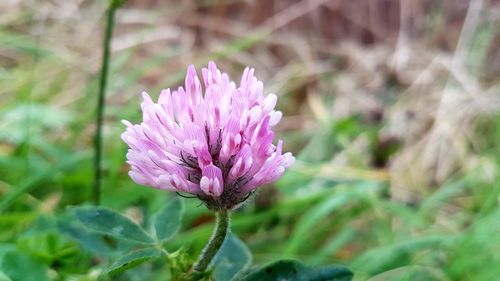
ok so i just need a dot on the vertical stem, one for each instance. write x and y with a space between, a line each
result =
215 242
96 192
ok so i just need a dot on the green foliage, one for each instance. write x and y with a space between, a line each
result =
410 273
115 4
46 171
232 259
4 277
95 242
313 217
48 246
108 233
167 221
179 263
39 117
134 259
22 42
395 255
295 271
108 222
95 224
19 266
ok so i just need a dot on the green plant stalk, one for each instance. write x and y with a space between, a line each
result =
110 22
215 242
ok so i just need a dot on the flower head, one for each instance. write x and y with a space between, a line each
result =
213 141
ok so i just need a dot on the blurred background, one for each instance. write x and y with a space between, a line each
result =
391 108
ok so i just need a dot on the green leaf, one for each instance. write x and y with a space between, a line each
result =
232 258
97 243
108 222
5 248
4 277
134 259
291 270
36 178
20 267
317 216
168 219
410 273
390 256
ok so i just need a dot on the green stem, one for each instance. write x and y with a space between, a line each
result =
214 243
96 194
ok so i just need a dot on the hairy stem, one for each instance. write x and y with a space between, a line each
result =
96 192
215 242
